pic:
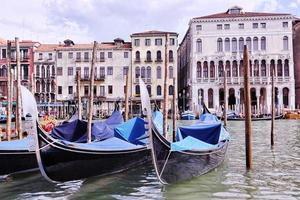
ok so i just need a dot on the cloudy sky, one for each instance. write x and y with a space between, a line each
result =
51 21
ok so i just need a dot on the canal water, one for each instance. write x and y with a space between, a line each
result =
275 174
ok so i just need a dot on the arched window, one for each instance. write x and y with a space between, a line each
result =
148 59
137 72
221 69
212 69
171 72
234 69
43 86
210 98
256 68
279 68
220 45
241 68
255 44
143 72
205 69
48 87
52 86
171 58
4 71
234 45
248 43
285 43
48 71
37 70
158 90
171 89
158 56
137 56
43 71
285 96
199 46
227 66
286 68
263 68
53 70
199 69
241 44
149 89
148 72
263 44
137 89
38 87
227 44
272 67
158 72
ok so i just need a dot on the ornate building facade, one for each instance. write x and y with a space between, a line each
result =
214 44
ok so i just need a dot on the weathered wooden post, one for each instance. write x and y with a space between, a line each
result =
91 99
18 113
248 128
174 110
9 92
273 110
165 106
225 98
79 95
126 96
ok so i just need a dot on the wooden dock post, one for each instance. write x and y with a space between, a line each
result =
78 76
9 92
165 106
225 98
273 110
174 111
126 96
248 128
19 111
91 99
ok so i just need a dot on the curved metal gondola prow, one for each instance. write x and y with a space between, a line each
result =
39 130
205 109
117 105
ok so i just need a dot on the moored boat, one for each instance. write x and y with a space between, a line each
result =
188 115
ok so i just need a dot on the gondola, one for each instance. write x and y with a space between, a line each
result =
236 117
188 115
66 159
198 149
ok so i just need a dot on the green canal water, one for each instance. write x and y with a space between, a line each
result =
275 174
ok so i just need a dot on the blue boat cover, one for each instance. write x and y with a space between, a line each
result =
76 131
23 144
132 131
157 121
191 143
207 117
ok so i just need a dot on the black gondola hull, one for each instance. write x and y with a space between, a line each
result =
17 161
64 163
183 165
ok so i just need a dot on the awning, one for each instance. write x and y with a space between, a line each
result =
4 103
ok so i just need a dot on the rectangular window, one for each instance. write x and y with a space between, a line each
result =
109 70
78 69
59 89
70 71
109 54
110 89
126 54
86 73
50 56
102 56
125 70
158 42
102 72
59 55
86 90
226 26
198 27
78 56
102 90
263 25
137 42
285 24
255 25
147 42
40 56
95 90
219 26
70 55
59 71
241 25
172 41
86 56
3 53
70 89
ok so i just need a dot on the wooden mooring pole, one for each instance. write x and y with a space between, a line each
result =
165 104
9 92
273 109
19 111
126 96
91 99
225 98
79 95
174 110
248 128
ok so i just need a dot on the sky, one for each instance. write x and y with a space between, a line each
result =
83 21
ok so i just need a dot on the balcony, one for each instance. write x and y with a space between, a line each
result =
86 60
96 78
137 60
146 80
78 60
148 60
101 59
158 60
171 59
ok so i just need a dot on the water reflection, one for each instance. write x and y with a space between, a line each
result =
275 174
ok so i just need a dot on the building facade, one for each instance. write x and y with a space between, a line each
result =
296 47
214 45
150 57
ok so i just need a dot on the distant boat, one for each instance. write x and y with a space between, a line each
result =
232 116
64 154
198 149
188 115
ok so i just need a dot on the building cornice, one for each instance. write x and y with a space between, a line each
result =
234 19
